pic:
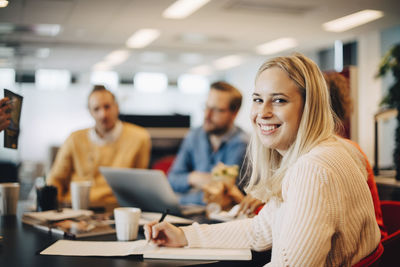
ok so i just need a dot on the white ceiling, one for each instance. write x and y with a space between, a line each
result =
91 29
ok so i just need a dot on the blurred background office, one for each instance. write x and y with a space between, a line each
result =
160 61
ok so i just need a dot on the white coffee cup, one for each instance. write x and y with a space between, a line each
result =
9 194
127 223
80 194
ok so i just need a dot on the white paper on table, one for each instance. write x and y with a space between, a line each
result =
140 247
95 248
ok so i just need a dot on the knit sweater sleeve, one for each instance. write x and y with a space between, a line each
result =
60 174
252 233
308 222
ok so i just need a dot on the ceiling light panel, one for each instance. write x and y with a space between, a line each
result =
276 46
142 38
351 21
117 57
228 62
3 3
47 29
183 8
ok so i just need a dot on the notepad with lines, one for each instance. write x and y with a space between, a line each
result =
140 247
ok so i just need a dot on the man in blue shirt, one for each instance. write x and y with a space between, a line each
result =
218 140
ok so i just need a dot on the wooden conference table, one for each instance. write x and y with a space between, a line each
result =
22 243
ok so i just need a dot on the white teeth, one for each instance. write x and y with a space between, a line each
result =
268 127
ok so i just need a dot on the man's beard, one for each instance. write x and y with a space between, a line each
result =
216 130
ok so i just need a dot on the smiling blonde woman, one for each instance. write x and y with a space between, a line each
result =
318 211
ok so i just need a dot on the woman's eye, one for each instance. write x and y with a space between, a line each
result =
257 100
279 100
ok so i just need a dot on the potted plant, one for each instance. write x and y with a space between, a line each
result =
391 62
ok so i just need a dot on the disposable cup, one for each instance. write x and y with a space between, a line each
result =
9 194
80 194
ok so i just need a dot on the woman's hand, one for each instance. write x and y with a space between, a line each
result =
248 205
165 234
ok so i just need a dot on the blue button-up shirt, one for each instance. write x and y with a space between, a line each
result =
196 154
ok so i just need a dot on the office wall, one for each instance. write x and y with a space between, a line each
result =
369 90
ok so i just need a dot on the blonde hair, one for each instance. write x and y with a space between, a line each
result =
268 167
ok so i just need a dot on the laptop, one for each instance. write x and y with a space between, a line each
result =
146 189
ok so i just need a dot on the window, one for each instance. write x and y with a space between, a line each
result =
109 79
150 82
193 84
47 79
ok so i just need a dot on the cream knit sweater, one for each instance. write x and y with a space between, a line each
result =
326 217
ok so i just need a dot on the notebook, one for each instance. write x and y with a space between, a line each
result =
146 189
140 247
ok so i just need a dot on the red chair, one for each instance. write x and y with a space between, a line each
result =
163 164
391 243
373 259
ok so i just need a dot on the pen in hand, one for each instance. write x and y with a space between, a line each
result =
165 213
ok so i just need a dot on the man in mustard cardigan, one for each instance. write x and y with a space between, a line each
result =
109 143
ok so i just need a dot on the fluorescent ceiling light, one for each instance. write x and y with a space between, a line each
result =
183 8
117 57
142 38
228 62
352 21
276 46
47 29
3 3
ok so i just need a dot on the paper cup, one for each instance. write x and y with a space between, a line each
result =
80 194
9 194
127 223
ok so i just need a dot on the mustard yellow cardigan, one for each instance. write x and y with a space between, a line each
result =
79 159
